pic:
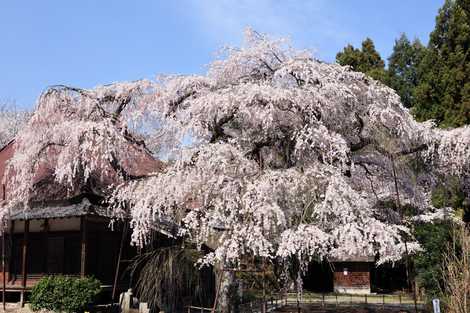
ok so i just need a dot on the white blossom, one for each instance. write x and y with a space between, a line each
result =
271 154
12 119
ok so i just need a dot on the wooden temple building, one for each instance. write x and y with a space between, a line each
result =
67 236
71 238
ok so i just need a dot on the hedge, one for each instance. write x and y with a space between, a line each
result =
64 293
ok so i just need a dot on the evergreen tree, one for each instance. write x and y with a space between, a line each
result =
371 58
349 56
403 67
366 60
443 92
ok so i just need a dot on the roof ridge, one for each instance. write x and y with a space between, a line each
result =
7 144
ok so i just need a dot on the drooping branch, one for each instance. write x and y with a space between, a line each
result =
274 138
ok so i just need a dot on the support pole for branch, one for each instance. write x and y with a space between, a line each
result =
3 266
217 291
3 255
407 264
264 287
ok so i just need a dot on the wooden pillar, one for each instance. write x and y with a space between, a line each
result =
11 252
118 262
83 255
45 245
24 265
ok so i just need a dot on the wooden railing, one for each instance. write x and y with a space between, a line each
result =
320 300
369 300
194 309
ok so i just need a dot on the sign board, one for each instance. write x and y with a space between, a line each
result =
436 305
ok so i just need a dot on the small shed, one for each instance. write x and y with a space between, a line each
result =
352 275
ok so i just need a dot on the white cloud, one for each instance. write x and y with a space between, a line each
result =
310 24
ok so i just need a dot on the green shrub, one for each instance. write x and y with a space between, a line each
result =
64 294
434 238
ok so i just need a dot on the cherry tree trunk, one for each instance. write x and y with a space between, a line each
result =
227 298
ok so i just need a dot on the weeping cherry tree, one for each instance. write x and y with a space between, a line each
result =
274 154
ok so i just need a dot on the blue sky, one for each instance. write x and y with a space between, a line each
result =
88 42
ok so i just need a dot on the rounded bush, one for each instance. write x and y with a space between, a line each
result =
64 293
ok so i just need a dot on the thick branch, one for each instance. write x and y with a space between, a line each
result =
363 142
176 103
413 150
217 129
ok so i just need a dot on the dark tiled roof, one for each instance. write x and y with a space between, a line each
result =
6 145
80 206
59 210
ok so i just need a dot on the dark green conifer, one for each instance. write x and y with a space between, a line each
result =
443 92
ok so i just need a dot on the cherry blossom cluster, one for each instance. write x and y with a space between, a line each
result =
271 154
12 120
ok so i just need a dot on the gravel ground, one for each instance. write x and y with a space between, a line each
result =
16 308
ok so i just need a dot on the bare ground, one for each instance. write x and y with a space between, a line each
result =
315 308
